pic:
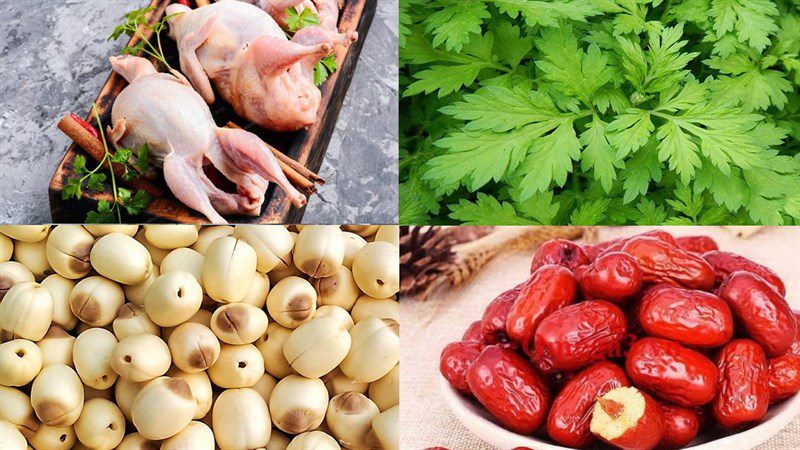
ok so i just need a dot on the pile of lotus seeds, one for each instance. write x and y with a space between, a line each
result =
189 337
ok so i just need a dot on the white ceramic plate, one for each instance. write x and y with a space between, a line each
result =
480 422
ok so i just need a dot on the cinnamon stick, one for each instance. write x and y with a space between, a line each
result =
299 168
94 147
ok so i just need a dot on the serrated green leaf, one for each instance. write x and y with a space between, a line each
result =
549 160
486 210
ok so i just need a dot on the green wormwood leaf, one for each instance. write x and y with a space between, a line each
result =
600 111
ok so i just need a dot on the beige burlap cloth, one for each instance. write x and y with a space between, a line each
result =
429 326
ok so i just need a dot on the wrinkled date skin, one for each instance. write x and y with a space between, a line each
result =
568 421
577 335
681 426
689 317
661 262
560 252
672 372
615 277
474 333
591 251
493 322
456 359
697 244
550 288
784 370
743 384
509 388
617 244
725 263
763 312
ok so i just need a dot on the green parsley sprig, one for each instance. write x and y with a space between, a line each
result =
296 21
94 179
133 22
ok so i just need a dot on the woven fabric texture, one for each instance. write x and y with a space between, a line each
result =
429 326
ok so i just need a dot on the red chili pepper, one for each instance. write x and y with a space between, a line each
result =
86 125
184 2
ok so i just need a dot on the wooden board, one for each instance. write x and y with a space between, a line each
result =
306 146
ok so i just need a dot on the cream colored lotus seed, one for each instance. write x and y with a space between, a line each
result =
157 254
339 289
376 269
136 441
101 425
208 234
196 436
292 302
67 251
11 273
131 320
26 312
382 308
102 230
313 440
200 386
96 300
163 408
375 350
141 357
238 366
228 269
317 347
337 383
349 418
264 386
53 438
57 395
239 323
202 316
337 312
273 245
186 260
353 243
56 347
271 347
241 420
60 288
16 409
121 258
11 438
92 357
26 233
194 347
20 362
136 294
362 230
319 250
168 237
33 255
6 248
173 298
125 392
259 289
298 404
385 433
278 440
386 391
389 233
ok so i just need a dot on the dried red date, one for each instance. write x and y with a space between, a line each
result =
493 322
784 370
456 359
697 244
672 372
763 312
725 263
474 333
560 252
628 418
577 335
617 244
591 251
661 262
681 426
509 388
743 396
550 288
689 317
568 421
615 277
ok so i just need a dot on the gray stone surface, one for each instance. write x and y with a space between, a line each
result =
53 60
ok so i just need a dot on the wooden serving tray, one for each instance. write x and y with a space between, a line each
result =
306 146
